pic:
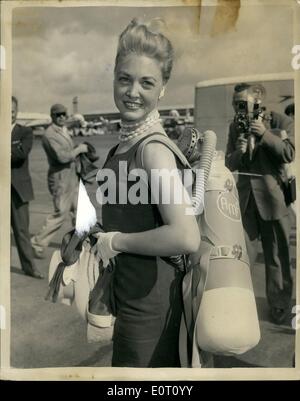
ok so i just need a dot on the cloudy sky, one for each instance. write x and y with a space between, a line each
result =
59 53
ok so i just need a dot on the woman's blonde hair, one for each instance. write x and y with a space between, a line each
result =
146 39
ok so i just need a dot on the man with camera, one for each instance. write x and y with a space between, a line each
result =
260 145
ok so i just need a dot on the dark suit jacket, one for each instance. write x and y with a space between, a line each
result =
269 155
21 144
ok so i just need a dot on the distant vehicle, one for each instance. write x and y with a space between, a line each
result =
76 120
77 125
213 108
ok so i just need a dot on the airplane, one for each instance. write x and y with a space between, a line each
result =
34 120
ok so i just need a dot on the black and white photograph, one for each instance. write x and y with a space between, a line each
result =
150 189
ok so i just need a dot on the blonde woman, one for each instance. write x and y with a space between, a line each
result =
141 237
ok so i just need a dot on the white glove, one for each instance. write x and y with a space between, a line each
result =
103 248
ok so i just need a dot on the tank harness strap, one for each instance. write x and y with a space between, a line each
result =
164 139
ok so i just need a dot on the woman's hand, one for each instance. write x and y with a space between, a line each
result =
104 249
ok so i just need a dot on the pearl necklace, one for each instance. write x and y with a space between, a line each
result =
130 131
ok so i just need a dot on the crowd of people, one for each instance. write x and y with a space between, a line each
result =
141 238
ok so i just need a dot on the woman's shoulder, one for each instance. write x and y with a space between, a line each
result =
158 153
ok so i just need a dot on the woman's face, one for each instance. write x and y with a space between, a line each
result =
137 86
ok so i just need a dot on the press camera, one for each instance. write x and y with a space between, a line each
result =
246 111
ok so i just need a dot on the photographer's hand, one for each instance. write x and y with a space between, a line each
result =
257 128
241 144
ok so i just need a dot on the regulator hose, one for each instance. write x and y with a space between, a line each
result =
199 149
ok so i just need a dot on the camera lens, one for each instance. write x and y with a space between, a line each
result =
242 106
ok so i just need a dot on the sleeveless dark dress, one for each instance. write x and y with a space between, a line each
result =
147 289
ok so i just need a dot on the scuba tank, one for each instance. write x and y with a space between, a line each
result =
220 315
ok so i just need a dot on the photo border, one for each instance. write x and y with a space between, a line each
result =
108 373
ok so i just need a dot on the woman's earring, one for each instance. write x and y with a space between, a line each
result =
162 92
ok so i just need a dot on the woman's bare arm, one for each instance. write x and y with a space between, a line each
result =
180 233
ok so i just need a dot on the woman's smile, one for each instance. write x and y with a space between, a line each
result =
132 105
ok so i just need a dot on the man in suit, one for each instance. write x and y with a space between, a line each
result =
62 177
21 192
260 155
